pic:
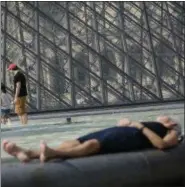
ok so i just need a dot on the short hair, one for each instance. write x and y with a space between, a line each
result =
16 68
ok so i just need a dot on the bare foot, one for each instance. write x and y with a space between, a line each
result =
46 153
5 143
14 150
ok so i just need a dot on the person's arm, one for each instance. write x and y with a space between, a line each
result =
124 122
169 140
9 97
17 91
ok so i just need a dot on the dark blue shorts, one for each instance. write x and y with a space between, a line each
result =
115 139
5 112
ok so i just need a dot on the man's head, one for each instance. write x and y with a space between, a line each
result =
167 121
13 68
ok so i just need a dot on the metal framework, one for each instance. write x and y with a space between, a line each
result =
84 54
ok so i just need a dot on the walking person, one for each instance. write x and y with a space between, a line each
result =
20 93
5 106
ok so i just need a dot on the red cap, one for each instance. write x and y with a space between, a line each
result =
12 66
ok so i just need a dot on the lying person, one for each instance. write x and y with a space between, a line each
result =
126 136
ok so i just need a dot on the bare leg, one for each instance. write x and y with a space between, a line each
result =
87 148
25 119
21 154
68 144
3 120
9 121
20 118
26 155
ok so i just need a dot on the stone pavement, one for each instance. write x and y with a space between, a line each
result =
55 129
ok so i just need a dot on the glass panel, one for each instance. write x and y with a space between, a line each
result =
114 52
